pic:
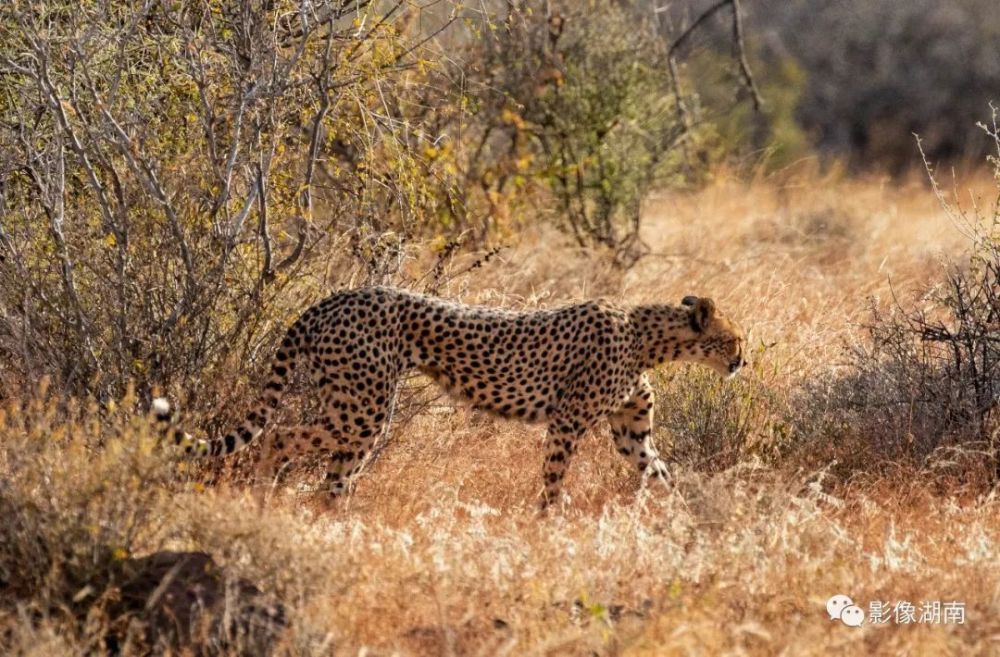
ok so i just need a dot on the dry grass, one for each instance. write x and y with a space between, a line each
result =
440 552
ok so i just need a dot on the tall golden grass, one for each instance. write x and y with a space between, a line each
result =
439 551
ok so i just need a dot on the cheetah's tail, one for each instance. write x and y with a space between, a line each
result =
166 422
285 360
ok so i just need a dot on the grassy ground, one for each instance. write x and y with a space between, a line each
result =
440 551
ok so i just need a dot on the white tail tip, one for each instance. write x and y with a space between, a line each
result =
160 406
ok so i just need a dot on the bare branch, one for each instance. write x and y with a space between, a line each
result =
741 56
686 34
266 274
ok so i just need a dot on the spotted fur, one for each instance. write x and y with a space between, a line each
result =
568 367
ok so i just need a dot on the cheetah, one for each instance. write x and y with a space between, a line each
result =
567 367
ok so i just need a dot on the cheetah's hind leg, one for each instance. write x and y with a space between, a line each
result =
358 428
283 447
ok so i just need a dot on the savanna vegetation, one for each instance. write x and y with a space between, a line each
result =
179 180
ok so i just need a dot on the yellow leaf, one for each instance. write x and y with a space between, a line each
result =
512 118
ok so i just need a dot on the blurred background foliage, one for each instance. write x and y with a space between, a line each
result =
861 78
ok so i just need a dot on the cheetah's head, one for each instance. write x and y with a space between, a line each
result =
720 340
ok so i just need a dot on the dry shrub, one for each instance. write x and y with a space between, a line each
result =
70 519
68 516
922 390
922 386
586 113
89 508
711 424
568 117
179 177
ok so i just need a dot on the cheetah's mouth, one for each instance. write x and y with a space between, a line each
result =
735 366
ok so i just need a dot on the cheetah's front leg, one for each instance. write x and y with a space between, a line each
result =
632 428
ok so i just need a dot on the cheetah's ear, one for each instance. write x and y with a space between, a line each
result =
702 312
